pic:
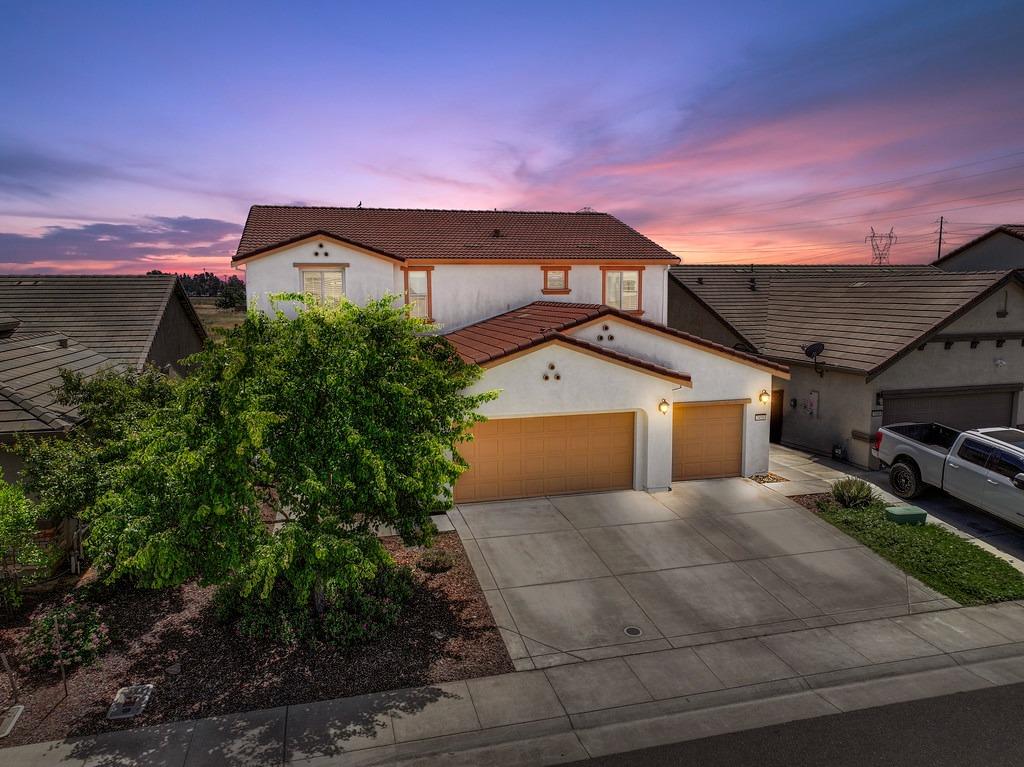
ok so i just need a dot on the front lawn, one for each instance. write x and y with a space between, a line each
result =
936 557
170 637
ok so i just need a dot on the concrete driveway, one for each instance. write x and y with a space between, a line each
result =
585 577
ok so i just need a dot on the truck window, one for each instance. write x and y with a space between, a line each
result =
1007 464
975 452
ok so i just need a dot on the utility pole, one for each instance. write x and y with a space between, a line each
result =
942 220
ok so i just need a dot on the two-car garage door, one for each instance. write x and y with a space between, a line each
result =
960 409
523 457
550 455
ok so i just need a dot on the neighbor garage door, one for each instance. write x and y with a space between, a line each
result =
961 409
707 441
522 457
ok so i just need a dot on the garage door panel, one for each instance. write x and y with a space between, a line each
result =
707 441
522 457
964 410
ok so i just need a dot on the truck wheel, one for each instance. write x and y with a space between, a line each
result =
905 480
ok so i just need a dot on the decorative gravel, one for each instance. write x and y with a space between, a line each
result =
768 478
200 668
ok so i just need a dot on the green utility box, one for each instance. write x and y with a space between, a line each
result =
906 515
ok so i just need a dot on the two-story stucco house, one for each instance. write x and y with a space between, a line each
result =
566 312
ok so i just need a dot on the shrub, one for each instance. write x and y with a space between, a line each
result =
355 616
436 561
83 636
22 559
853 493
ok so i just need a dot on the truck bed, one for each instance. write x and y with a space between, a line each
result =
932 434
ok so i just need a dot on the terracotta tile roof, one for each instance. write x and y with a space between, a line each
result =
867 316
462 234
542 321
1014 230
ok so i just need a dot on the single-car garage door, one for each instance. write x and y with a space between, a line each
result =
707 440
523 457
959 409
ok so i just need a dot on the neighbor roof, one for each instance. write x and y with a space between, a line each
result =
30 366
403 234
1014 230
867 316
542 321
116 316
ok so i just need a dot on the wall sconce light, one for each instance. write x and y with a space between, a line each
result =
764 397
664 407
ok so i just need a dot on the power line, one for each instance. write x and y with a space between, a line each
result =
851 219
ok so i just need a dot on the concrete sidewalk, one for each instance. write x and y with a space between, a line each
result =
592 708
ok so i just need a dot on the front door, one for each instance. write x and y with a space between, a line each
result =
775 427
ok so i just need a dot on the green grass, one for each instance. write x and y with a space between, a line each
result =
936 557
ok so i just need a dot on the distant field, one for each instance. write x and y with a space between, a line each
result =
212 317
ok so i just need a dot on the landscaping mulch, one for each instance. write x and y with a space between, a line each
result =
201 668
767 478
810 501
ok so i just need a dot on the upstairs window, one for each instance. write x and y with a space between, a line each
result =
324 284
417 293
622 289
556 280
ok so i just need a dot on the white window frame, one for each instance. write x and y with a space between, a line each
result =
616 301
324 270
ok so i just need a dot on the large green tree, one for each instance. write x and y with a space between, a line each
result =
325 422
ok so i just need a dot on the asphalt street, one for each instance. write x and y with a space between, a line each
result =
983 728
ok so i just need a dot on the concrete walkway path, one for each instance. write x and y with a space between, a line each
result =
592 708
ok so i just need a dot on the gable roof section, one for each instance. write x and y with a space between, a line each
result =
542 321
471 235
867 316
116 316
30 366
1014 230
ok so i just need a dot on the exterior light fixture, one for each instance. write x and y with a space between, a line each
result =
764 397
664 407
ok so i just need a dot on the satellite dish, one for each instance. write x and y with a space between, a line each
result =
813 350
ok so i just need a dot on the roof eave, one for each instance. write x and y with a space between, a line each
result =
312 234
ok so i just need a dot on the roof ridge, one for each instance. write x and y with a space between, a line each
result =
436 210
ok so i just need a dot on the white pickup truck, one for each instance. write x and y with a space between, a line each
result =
982 467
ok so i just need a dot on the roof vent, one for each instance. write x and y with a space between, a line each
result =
700 280
753 283
497 233
62 343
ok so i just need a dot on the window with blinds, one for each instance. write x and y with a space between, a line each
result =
622 290
324 284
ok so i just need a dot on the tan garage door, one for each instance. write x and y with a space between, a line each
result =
961 410
523 457
707 441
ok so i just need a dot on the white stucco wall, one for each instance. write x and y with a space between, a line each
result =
587 385
366 277
461 294
714 378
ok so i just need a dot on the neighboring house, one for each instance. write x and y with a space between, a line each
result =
900 344
82 324
1000 249
565 312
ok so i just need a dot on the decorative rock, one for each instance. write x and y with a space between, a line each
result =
173 670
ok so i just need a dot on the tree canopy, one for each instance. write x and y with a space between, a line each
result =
273 463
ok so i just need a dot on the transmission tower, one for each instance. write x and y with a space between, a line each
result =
881 244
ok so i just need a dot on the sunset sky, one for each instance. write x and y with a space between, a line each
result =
136 135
